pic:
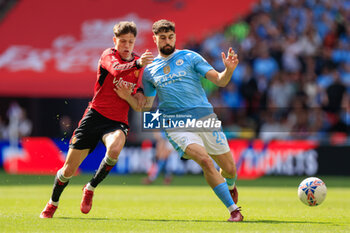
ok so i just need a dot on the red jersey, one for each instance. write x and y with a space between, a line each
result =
112 69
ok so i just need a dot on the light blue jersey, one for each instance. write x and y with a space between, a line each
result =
176 79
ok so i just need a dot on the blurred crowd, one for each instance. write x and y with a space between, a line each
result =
293 79
16 126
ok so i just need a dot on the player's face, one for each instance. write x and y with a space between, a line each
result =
165 42
124 44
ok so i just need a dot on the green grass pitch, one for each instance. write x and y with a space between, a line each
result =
121 204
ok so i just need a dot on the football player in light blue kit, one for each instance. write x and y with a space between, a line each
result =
175 76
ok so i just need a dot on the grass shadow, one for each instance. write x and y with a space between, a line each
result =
267 221
138 219
79 218
264 221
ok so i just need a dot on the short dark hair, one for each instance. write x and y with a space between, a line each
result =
163 25
125 27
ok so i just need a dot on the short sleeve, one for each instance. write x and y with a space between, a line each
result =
200 65
148 87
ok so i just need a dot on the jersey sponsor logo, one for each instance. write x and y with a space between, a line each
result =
166 69
121 80
179 62
164 80
126 66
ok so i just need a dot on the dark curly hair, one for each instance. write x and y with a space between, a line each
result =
163 25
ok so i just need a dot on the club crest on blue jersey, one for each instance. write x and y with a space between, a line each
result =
179 62
166 69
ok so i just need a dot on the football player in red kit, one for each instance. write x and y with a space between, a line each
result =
106 117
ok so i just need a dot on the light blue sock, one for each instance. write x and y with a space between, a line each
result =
160 166
167 169
222 192
231 182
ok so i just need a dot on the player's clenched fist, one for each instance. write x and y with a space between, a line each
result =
146 58
123 90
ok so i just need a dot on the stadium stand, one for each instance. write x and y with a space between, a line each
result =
293 78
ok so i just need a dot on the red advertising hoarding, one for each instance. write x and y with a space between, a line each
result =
51 48
257 158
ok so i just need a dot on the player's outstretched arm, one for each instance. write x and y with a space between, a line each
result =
223 78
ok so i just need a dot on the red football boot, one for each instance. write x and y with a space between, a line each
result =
147 181
168 180
234 194
86 202
236 216
48 211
